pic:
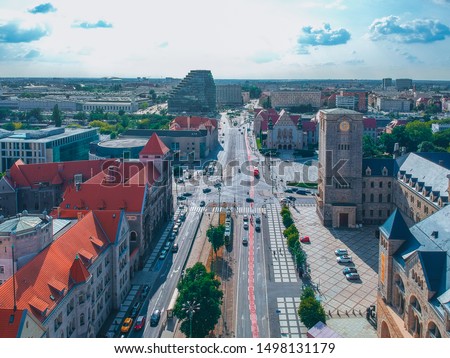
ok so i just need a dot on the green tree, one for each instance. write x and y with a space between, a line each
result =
429 147
143 105
80 116
311 312
290 230
398 135
417 132
57 116
287 220
9 126
35 113
216 237
370 148
308 292
202 287
442 138
291 240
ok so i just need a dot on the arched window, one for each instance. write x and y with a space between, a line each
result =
133 236
433 331
82 319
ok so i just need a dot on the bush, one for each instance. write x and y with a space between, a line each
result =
291 240
290 230
287 220
311 312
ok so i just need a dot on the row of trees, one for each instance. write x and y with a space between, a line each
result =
310 310
292 239
203 288
415 136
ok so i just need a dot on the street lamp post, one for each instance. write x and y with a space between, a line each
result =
219 189
190 307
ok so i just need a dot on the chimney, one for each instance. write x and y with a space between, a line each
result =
396 151
403 151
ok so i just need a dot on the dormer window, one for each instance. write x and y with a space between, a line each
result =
368 172
384 172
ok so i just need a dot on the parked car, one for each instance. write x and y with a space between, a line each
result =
245 226
175 248
245 241
340 252
349 270
186 194
249 200
258 220
126 325
289 191
145 291
245 218
135 310
344 259
257 228
163 254
172 236
202 203
352 276
207 190
180 181
140 323
154 318
302 192
305 240
167 246
181 197
291 198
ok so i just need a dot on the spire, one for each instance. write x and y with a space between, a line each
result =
154 146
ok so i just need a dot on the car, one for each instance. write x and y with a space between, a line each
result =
172 236
349 270
305 240
180 181
145 291
154 318
175 229
178 222
206 190
340 252
140 323
186 194
175 248
245 226
249 200
167 246
163 254
291 198
289 191
258 220
135 310
344 259
218 185
183 216
352 276
244 241
257 228
126 325
245 218
302 192
202 203
181 197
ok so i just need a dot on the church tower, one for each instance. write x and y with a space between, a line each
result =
339 200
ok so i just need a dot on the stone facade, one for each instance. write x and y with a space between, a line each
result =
284 134
339 200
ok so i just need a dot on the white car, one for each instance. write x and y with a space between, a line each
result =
344 259
340 252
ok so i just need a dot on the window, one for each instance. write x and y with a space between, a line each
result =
419 204
82 319
371 198
388 198
2 269
371 213
380 198
364 198
380 213
363 213
364 184
425 208
380 184
372 184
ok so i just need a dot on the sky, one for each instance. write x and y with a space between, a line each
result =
248 39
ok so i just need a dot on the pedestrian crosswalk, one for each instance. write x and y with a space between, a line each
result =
239 210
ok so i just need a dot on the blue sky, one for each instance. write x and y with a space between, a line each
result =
279 39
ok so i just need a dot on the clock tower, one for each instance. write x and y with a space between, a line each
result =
339 200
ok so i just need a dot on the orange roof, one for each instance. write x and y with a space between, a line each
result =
30 175
128 197
192 122
117 172
154 146
78 271
10 322
35 281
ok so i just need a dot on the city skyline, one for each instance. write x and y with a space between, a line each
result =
253 40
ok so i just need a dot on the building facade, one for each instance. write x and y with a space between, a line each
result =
393 105
286 99
284 134
229 95
194 95
339 200
45 145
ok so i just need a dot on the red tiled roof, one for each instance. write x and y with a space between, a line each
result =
10 322
191 123
33 290
30 175
309 126
369 122
78 272
117 172
128 197
154 146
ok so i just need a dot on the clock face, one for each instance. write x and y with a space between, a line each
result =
344 126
